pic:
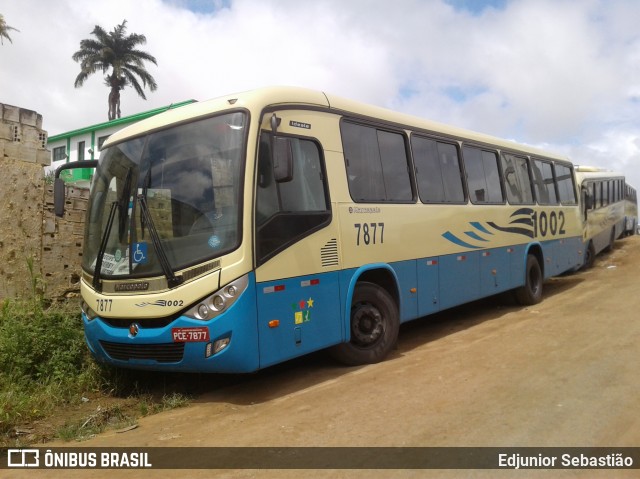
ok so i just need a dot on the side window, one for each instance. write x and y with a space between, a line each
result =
437 171
377 166
288 211
517 180
566 188
544 183
59 153
483 175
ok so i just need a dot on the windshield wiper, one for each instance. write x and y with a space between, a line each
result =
172 279
145 188
97 284
121 205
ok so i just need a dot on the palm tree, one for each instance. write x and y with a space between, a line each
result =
4 29
116 51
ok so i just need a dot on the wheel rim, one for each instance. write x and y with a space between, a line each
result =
367 325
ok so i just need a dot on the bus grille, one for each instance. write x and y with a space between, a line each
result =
163 353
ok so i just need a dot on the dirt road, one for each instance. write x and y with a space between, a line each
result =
561 373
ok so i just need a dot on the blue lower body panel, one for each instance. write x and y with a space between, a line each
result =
153 348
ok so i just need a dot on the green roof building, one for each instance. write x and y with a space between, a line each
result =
85 143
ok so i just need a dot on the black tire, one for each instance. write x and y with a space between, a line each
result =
375 325
589 256
531 292
612 240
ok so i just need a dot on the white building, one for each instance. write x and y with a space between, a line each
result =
85 143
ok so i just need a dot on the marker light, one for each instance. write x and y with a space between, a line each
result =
220 344
216 347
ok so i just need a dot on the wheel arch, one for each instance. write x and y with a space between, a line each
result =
381 274
534 249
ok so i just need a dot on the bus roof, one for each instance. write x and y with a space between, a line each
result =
259 99
584 173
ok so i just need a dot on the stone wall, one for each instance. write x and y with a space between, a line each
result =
62 243
40 254
23 155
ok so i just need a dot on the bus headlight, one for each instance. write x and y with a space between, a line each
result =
214 304
218 302
89 313
203 311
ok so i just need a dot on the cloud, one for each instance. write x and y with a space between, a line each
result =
554 73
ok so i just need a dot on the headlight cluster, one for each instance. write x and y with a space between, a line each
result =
213 305
90 313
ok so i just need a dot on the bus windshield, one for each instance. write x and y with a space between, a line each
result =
181 184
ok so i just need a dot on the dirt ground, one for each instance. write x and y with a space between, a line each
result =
562 373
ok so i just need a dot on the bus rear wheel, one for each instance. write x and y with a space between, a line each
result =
374 326
531 292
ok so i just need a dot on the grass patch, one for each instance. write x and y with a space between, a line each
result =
47 376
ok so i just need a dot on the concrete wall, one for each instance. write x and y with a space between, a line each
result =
23 156
62 243
40 254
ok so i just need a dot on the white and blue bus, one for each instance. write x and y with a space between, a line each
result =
603 209
237 233
630 210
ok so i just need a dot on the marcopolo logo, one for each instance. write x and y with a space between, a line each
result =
23 458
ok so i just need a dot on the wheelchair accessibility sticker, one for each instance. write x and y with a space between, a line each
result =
140 253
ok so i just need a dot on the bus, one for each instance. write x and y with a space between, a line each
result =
630 210
240 232
603 209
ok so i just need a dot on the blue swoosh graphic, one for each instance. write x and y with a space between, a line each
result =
478 226
454 239
475 236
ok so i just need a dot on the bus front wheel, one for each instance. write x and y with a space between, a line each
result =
531 292
374 326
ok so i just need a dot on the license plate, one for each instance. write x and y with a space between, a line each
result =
190 335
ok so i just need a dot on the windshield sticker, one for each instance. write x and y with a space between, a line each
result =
214 242
113 264
140 253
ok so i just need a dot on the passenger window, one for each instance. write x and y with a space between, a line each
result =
517 180
377 164
544 183
437 171
483 175
566 188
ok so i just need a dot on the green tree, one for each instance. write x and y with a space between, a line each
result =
117 52
5 29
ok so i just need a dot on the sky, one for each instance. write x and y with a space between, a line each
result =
562 75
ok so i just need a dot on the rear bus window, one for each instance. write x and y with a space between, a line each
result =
566 188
